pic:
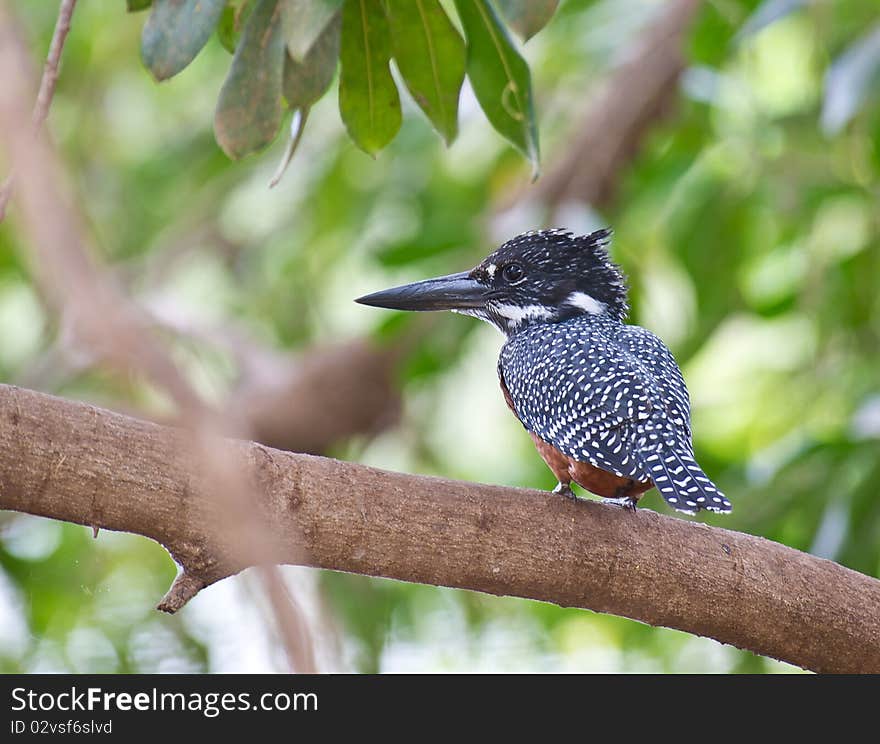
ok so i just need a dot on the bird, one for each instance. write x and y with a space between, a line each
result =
603 400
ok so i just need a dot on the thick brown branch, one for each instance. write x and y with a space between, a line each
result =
81 464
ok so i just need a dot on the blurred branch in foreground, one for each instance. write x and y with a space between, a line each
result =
102 320
305 402
47 88
81 464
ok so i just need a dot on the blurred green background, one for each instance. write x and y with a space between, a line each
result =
748 224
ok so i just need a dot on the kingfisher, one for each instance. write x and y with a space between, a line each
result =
604 401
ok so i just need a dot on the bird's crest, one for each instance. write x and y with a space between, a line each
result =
567 272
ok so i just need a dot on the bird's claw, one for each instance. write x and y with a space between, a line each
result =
564 489
627 502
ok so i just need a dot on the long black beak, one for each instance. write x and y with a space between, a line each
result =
453 292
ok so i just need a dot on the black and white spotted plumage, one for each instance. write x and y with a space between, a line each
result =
596 390
611 395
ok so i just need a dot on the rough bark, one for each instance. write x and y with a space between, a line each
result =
77 463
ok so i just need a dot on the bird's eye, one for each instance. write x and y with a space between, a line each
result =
513 273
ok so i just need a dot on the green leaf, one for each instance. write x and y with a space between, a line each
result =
500 77
527 17
368 99
305 82
430 55
175 33
249 108
304 21
231 23
133 6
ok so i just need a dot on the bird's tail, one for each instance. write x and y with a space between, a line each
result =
683 484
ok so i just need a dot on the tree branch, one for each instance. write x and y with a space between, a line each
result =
47 87
81 464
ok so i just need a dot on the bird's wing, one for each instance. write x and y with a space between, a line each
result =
661 368
580 391
669 460
613 398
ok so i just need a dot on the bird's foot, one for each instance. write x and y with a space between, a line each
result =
627 502
564 489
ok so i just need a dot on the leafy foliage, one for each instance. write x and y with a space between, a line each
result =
231 23
304 22
249 109
306 80
418 35
175 33
527 17
430 61
500 76
368 98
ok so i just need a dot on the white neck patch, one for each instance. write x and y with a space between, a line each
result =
516 314
586 303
